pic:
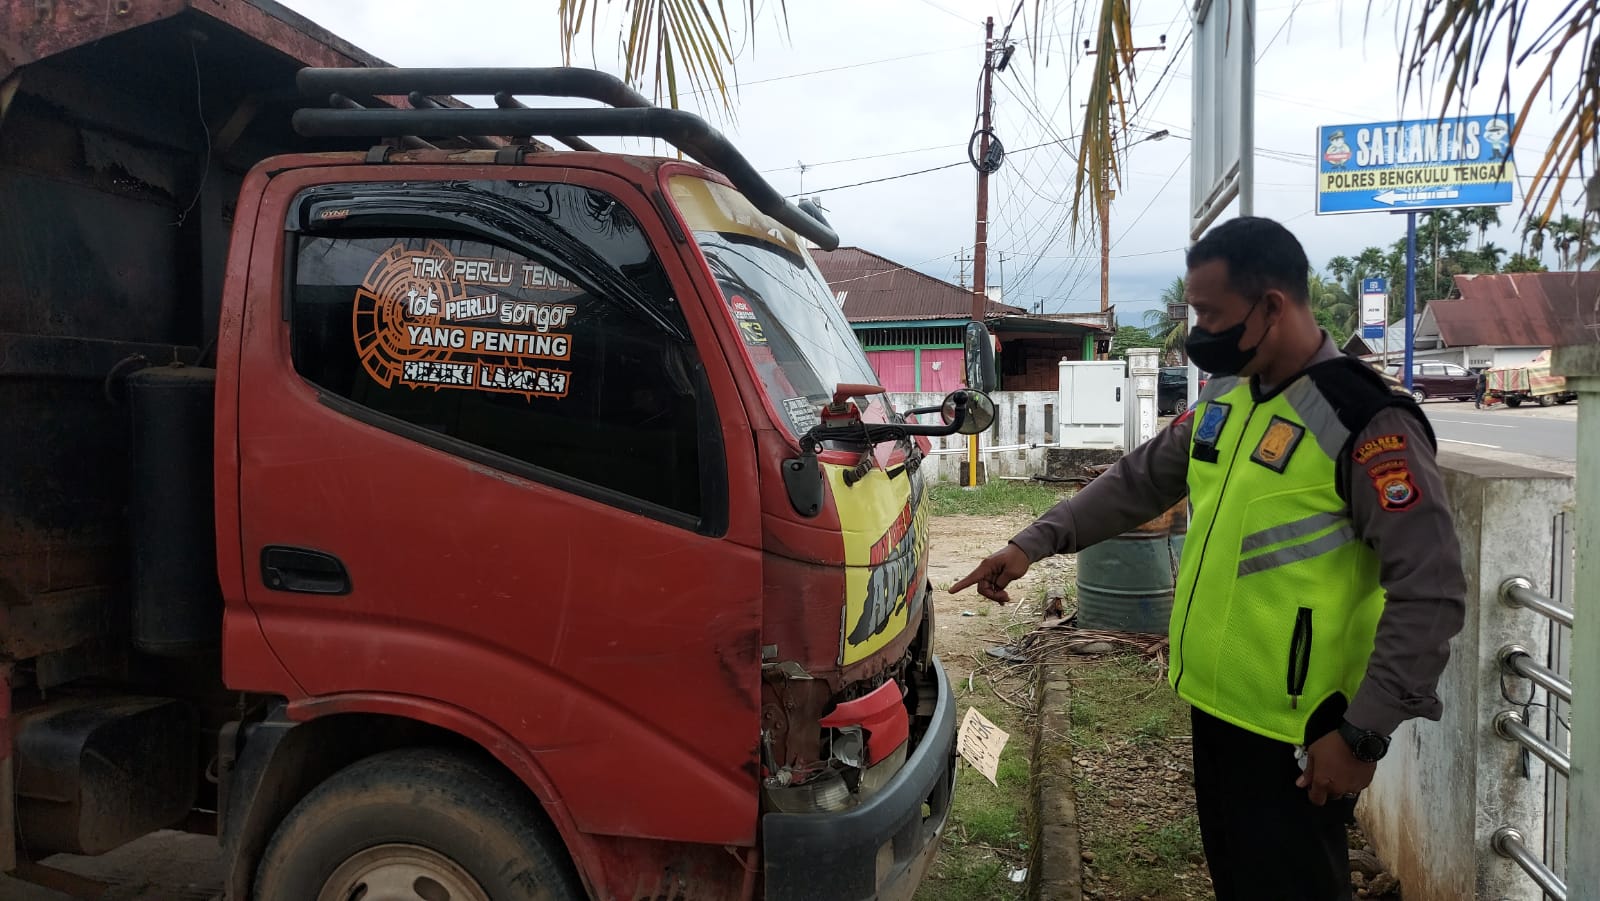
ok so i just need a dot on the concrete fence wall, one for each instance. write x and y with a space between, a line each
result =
1014 447
1445 787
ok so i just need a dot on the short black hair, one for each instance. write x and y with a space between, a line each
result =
1260 254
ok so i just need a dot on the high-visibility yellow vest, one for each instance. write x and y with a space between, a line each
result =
1277 601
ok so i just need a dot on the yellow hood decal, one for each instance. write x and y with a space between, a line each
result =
885 528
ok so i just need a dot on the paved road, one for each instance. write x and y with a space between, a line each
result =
1537 431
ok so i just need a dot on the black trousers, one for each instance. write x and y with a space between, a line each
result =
1264 839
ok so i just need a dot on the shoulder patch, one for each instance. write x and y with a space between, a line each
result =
1382 444
1397 490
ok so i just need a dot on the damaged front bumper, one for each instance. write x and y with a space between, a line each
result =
881 848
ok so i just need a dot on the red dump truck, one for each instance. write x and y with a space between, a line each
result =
430 513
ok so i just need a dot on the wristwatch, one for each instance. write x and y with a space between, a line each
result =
1366 745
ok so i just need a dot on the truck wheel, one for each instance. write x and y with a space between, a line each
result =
1513 400
416 825
1565 398
1546 400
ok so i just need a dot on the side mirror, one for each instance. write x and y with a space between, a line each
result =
979 347
973 409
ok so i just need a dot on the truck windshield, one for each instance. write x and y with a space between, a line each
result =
794 332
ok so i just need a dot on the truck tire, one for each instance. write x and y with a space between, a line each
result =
1546 400
1513 400
1565 398
419 825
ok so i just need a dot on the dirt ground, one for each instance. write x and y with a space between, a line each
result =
958 544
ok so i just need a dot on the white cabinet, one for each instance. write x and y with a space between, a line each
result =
1092 403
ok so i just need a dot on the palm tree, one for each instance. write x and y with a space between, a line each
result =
1446 42
1491 253
1337 309
1161 326
1574 241
1534 232
1481 218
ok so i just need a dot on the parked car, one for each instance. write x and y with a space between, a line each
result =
1172 390
1430 379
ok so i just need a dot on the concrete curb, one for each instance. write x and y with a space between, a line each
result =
1055 866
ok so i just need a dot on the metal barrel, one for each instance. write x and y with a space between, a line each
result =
1125 583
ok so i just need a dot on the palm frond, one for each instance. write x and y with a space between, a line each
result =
1451 40
684 45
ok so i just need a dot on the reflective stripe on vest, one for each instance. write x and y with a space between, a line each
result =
1277 600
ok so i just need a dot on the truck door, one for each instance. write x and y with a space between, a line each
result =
491 459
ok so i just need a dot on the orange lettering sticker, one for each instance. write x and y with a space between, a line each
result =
1382 444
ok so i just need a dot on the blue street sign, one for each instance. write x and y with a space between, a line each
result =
1374 286
1420 164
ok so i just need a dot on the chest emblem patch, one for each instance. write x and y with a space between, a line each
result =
1277 444
1208 430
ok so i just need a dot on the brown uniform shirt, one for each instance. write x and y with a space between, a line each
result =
1419 554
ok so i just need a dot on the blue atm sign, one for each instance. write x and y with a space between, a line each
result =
1420 164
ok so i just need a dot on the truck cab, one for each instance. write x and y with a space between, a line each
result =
512 504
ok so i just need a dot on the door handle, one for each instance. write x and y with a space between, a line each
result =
1119 394
303 570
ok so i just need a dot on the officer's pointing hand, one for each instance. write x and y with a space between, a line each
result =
996 572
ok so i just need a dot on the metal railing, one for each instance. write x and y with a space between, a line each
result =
1515 660
1507 842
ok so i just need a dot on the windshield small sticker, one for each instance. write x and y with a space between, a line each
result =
417 323
802 413
753 335
741 309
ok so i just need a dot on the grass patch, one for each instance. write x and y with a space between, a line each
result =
999 497
1122 707
1124 698
1140 860
987 833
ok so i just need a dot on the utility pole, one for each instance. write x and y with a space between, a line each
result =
1103 209
980 248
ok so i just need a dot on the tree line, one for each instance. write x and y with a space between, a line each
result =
1449 243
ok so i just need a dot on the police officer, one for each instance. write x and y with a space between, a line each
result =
1321 581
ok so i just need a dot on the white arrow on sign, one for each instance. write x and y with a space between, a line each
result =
1393 197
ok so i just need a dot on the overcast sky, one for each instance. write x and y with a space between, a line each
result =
859 90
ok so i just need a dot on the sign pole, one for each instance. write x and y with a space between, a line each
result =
1411 289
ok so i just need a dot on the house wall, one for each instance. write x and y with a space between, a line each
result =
911 369
1014 446
1031 362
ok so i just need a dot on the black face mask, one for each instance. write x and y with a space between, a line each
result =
1219 352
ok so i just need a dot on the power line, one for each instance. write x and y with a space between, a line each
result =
857 159
946 11
873 181
1162 190
1286 20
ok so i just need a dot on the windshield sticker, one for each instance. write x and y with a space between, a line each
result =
753 335
422 319
802 413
